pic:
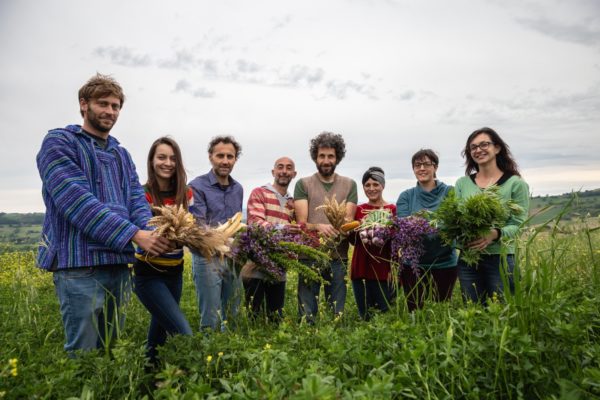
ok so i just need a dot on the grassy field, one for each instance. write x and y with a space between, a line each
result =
580 204
543 342
19 237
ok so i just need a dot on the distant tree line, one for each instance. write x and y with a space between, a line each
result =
21 219
589 202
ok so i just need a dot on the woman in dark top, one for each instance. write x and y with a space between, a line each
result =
158 281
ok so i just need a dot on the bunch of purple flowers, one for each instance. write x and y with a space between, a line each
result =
275 251
406 235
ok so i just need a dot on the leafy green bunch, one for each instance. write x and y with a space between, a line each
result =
461 221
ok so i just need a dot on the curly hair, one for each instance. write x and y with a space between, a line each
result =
99 86
226 140
504 159
330 140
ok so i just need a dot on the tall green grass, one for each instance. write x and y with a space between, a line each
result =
541 342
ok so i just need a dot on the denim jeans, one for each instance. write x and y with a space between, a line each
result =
218 289
335 291
160 294
480 281
434 284
90 300
262 295
371 293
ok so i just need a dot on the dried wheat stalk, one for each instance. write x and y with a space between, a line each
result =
334 211
177 224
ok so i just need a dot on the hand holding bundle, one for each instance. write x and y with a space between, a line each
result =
177 224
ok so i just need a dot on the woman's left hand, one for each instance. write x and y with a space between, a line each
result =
485 241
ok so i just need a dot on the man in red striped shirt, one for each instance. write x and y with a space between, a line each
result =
270 205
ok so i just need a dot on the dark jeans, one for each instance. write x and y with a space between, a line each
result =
160 294
480 281
371 294
436 284
263 295
335 291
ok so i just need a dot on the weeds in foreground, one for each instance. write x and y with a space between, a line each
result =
541 342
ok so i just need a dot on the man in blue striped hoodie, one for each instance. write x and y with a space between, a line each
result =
95 209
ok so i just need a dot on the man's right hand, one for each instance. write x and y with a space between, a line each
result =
152 244
327 230
293 228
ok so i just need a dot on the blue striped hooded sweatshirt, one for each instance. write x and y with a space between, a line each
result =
94 201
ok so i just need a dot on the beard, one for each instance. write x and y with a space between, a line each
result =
97 123
222 172
326 171
283 181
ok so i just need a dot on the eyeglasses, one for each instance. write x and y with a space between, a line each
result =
482 146
419 165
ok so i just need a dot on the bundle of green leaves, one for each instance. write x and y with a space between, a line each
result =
462 221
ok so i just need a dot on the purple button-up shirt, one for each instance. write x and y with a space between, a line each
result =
214 203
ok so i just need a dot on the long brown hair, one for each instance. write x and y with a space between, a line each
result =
178 180
504 159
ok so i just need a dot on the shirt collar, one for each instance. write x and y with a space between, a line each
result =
270 187
212 179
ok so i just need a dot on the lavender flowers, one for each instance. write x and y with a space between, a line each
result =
407 236
275 251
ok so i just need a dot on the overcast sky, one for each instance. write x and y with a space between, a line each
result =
390 76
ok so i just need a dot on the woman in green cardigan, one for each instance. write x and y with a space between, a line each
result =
489 162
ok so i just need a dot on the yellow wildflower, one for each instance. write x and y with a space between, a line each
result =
220 354
208 359
267 346
495 297
13 366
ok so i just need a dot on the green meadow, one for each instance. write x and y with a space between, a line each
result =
543 342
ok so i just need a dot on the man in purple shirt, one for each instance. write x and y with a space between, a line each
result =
217 197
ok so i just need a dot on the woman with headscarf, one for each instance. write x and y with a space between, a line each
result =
370 268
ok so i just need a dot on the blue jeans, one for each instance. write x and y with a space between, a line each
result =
335 291
160 294
90 300
480 281
218 288
371 293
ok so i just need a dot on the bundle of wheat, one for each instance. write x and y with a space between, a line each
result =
177 224
334 211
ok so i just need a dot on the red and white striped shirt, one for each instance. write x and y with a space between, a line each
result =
267 207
